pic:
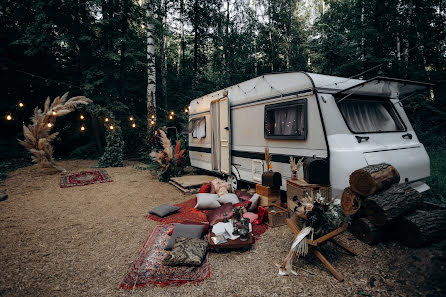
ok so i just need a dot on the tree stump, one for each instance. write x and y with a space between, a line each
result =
422 227
373 178
365 231
399 200
350 202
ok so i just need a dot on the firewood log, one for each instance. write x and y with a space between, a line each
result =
367 232
422 227
384 207
350 202
373 179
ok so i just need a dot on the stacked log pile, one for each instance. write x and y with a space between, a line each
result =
383 209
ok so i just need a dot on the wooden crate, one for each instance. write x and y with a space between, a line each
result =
263 200
276 215
297 190
267 191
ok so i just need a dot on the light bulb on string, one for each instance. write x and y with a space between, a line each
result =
152 122
185 110
170 117
82 117
49 125
153 116
82 128
21 104
172 113
106 120
111 127
9 117
131 119
53 113
133 125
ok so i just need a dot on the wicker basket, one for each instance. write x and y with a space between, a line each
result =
276 215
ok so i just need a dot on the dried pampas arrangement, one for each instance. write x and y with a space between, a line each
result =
169 160
37 135
268 159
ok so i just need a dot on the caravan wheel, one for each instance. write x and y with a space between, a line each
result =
233 181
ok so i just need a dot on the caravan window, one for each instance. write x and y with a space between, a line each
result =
366 116
286 120
198 127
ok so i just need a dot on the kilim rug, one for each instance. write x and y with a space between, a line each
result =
148 269
84 178
187 212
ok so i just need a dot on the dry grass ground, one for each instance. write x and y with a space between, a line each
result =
82 241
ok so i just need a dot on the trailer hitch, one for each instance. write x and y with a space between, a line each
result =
361 138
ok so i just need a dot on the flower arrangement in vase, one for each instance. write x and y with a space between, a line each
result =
295 166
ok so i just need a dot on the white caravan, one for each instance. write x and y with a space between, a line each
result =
351 123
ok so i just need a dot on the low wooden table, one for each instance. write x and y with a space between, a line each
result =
232 244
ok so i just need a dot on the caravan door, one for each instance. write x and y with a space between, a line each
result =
221 136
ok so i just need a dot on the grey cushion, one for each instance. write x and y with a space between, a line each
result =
228 198
164 210
187 231
187 252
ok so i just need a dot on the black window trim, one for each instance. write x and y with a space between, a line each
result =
199 118
370 99
297 102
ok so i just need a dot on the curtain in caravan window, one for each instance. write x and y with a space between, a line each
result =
367 116
199 128
285 121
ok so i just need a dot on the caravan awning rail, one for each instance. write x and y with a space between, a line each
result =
385 87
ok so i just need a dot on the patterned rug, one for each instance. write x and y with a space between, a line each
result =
189 213
84 178
148 269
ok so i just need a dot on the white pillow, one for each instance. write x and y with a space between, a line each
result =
254 202
207 201
228 198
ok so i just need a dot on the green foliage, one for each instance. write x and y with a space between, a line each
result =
437 180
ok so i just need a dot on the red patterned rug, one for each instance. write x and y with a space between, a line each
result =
148 269
187 212
84 178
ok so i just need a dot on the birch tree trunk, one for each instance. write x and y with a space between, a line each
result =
151 73
163 59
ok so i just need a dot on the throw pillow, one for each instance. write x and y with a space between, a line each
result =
205 188
243 195
217 214
254 202
187 252
187 222
164 210
188 231
228 198
251 216
207 201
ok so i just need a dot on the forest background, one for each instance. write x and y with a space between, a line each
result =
98 48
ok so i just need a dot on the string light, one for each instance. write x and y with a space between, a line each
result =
106 120
49 125
152 122
170 117
133 125
9 117
153 116
53 113
111 127
82 117
131 118
172 113
186 110
82 128
21 104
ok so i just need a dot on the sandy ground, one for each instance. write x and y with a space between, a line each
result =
82 241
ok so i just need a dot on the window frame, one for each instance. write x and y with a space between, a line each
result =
297 102
196 119
372 99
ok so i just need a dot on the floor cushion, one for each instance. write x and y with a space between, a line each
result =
242 195
217 214
182 230
164 210
254 202
207 201
205 188
245 204
251 216
187 222
228 198
187 252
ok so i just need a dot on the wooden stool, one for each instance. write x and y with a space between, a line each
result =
313 244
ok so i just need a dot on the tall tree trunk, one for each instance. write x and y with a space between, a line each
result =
122 62
226 52
195 24
183 42
151 73
163 59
